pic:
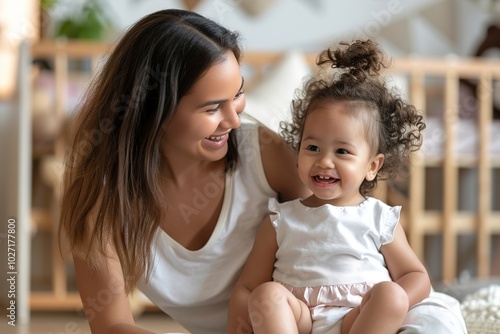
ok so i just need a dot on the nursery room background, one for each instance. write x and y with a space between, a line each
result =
445 59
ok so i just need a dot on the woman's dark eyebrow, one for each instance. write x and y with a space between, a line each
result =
210 103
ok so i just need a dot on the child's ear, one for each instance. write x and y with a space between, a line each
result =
375 165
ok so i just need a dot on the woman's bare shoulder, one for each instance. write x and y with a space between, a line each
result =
280 166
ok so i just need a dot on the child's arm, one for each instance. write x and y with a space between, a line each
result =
405 267
258 269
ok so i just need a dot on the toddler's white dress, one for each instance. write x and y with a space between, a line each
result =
329 257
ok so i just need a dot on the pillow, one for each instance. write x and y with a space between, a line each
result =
269 102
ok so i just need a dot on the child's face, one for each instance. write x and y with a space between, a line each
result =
335 156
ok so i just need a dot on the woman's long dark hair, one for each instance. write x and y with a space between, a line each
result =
110 193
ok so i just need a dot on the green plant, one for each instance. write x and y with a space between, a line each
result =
48 4
91 23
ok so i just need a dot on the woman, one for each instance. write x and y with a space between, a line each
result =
161 191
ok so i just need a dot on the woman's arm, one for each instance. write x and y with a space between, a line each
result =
104 299
405 267
280 166
258 269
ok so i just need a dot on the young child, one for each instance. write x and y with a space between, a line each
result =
337 261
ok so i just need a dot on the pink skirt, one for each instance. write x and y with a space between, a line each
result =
341 295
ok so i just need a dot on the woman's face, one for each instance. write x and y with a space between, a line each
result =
199 129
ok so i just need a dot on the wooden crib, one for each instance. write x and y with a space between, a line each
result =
419 222
451 222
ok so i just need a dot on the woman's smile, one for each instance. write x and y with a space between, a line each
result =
216 142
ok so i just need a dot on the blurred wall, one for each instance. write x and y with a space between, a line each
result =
424 27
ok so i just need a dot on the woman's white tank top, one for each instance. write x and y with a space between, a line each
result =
194 287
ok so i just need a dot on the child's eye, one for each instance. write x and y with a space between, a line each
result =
313 148
342 151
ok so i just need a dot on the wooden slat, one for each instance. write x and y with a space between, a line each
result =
464 160
462 67
484 183
48 301
465 222
450 176
41 219
72 49
417 173
61 91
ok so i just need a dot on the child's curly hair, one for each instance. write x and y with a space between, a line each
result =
393 126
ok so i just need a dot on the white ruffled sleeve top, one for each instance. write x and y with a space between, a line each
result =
332 249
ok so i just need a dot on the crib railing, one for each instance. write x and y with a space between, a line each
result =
451 222
60 295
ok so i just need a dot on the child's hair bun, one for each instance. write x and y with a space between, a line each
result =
359 59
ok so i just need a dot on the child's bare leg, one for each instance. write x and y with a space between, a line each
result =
382 310
274 309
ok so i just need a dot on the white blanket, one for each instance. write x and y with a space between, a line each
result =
481 311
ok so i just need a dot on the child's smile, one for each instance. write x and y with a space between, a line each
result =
325 180
335 156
